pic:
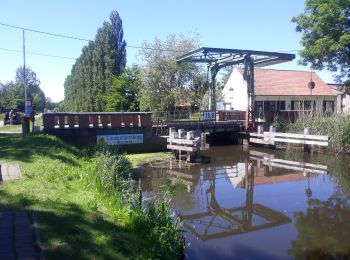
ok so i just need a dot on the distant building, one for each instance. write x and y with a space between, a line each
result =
282 92
343 99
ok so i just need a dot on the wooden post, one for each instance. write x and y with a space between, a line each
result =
307 147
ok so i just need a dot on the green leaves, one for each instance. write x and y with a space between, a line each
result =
12 93
325 25
123 95
166 84
93 73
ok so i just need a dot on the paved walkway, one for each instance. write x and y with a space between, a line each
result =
18 237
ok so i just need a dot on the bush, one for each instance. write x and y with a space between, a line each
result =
154 223
163 229
337 127
113 172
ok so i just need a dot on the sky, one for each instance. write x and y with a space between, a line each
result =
263 25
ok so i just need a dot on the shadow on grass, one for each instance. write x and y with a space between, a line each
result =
69 231
16 147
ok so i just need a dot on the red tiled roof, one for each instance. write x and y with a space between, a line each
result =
270 82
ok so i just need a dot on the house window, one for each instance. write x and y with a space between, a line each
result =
328 106
272 106
259 109
266 106
307 105
230 93
281 105
297 105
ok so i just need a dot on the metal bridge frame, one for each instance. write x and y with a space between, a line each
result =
218 58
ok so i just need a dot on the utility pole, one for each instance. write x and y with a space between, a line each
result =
24 73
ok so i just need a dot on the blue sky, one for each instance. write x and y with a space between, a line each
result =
251 24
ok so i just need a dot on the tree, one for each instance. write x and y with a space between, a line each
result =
323 230
123 96
325 27
166 84
12 93
93 72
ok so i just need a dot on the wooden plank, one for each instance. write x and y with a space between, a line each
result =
260 141
291 135
182 148
296 168
261 154
295 141
302 164
183 141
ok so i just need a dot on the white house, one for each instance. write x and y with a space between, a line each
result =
277 91
343 99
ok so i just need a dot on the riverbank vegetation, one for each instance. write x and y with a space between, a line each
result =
86 206
337 127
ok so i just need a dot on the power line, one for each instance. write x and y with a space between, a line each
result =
39 54
87 40
79 38
47 33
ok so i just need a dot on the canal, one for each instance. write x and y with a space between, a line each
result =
259 203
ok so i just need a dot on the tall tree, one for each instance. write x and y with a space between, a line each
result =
325 28
166 84
123 96
93 72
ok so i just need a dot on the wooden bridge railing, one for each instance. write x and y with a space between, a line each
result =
227 115
96 120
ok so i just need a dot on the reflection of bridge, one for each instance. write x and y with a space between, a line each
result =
218 222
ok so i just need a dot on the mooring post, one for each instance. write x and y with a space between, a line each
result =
203 139
307 147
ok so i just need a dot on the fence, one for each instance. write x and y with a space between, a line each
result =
270 138
96 120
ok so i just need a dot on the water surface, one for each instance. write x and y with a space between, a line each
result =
260 204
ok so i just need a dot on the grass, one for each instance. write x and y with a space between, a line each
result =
11 129
76 219
336 126
146 158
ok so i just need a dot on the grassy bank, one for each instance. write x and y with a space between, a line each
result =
337 127
146 158
79 217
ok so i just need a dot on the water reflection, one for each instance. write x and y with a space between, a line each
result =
218 221
254 203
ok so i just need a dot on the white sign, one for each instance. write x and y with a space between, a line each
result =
208 115
121 139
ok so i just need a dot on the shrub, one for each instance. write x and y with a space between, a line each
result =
163 229
113 173
337 127
154 223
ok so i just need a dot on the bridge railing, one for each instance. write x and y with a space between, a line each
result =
96 120
228 115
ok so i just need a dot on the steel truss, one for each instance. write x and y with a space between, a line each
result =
218 58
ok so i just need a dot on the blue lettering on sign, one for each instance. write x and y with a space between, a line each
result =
121 139
209 115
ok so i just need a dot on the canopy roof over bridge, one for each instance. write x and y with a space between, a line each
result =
226 57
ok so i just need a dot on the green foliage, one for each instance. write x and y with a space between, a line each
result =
100 62
165 84
83 203
12 93
123 95
156 221
325 25
328 242
113 172
337 127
